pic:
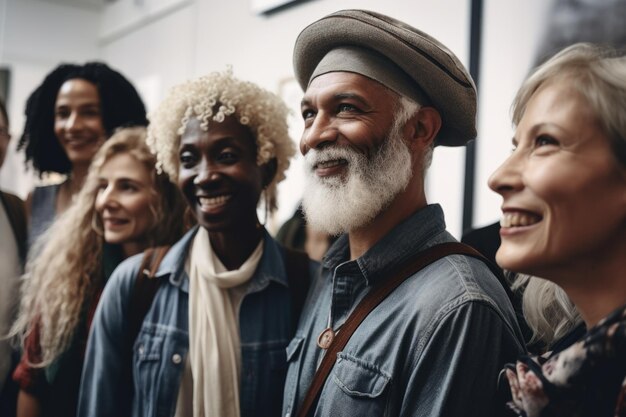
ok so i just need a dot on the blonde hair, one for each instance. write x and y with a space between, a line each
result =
599 75
548 311
66 270
212 98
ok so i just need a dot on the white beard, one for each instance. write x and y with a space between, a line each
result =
339 204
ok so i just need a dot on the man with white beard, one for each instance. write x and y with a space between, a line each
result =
401 321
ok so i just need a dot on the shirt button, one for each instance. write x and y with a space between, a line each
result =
176 358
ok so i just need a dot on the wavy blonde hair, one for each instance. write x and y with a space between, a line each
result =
212 98
548 311
63 276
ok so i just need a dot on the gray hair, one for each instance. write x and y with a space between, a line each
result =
548 311
599 75
405 109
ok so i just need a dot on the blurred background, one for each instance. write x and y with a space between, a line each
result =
159 43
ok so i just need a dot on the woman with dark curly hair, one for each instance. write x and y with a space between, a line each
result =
68 118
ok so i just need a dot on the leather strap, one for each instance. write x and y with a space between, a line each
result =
377 294
144 291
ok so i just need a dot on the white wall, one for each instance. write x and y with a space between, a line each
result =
511 35
159 43
35 37
158 48
260 49
154 47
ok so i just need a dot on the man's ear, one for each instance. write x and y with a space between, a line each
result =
268 170
425 126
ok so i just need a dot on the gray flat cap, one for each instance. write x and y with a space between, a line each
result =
436 71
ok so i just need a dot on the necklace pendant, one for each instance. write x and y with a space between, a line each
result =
325 339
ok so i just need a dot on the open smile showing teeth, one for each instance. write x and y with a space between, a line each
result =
208 202
114 222
78 141
331 163
519 219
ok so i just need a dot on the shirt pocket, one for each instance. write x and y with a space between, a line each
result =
148 348
362 387
148 351
263 370
293 352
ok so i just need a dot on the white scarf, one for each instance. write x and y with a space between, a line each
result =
214 345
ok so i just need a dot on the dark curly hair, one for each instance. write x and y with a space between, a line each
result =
120 103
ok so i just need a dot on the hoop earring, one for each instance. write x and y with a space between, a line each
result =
95 226
267 206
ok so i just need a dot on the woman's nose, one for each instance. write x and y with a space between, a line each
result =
508 176
107 198
206 175
74 121
320 134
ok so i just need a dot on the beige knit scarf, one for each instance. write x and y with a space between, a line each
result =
214 346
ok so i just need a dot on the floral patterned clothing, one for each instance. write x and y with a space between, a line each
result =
588 379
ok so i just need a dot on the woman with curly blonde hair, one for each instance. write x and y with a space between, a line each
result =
123 208
214 339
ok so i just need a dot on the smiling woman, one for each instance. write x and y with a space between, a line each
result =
123 208
564 220
68 118
563 188
229 149
226 309
123 203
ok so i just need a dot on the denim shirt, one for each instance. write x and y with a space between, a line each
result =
433 347
162 344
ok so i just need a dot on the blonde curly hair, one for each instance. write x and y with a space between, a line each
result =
212 98
62 278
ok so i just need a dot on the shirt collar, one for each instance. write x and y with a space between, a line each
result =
395 248
270 268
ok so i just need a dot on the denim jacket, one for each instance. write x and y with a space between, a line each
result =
433 347
159 351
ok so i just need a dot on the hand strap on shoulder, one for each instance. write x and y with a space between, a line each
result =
376 295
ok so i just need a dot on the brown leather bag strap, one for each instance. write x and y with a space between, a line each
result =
376 295
144 290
